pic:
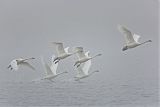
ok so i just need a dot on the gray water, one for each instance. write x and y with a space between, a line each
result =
88 92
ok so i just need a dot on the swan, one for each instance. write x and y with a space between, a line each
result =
83 69
14 64
82 57
61 52
131 39
50 70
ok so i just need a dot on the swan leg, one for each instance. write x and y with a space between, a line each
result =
78 65
9 66
57 61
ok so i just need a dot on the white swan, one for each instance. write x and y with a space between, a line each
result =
50 70
14 64
82 57
61 52
83 70
130 39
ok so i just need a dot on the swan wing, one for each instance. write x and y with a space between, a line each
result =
87 64
46 67
66 49
136 38
80 53
59 48
28 65
53 68
80 72
127 34
87 54
86 67
14 65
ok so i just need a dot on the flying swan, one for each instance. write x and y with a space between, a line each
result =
50 70
61 52
14 64
83 70
82 57
131 39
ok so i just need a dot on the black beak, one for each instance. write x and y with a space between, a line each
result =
150 40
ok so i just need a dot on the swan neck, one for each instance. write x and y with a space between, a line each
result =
95 56
27 59
92 73
145 42
61 73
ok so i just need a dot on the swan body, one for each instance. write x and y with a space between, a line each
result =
132 40
62 52
83 70
82 57
14 64
50 70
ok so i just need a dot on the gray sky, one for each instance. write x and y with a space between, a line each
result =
27 27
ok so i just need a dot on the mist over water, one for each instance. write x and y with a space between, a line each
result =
126 79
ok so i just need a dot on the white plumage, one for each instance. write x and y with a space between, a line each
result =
51 71
83 70
82 57
61 52
14 64
131 39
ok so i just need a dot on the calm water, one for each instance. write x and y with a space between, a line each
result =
84 93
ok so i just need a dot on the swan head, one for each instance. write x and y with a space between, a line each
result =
65 72
124 48
33 58
96 71
149 40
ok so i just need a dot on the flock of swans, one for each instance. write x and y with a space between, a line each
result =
83 63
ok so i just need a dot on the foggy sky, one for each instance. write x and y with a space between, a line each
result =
28 26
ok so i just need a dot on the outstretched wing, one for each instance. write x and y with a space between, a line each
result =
66 49
86 65
127 34
28 65
53 68
87 54
59 48
46 67
80 72
14 65
80 53
136 38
